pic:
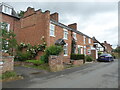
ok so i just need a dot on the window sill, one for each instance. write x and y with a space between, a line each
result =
65 38
65 55
52 36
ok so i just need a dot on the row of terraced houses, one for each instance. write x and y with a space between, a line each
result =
35 25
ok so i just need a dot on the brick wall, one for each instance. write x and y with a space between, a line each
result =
77 62
56 63
6 63
34 25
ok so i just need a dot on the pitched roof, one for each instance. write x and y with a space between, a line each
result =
68 28
96 41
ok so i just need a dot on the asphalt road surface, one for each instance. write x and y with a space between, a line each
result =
95 75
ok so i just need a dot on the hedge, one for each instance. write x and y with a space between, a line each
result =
77 56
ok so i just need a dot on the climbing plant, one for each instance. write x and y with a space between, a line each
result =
8 41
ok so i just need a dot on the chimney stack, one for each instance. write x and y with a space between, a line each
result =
54 16
73 26
105 41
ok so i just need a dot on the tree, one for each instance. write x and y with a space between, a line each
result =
117 49
21 14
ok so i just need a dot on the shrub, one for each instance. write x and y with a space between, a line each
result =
77 56
44 58
23 56
35 62
89 58
53 50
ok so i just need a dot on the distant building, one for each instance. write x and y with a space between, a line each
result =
99 46
108 47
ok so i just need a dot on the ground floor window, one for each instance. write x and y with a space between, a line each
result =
89 51
84 50
65 49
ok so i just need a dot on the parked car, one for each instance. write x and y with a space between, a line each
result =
105 57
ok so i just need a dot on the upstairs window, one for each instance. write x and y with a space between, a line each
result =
84 39
89 41
52 30
7 9
65 34
74 36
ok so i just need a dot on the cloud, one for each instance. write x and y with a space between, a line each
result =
99 19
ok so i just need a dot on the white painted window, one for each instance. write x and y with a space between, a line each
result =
74 36
52 30
84 39
89 51
65 48
89 40
5 26
6 9
65 34
85 50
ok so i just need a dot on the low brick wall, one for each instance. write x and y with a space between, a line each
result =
56 63
77 62
6 63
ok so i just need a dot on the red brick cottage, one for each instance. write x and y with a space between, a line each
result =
37 24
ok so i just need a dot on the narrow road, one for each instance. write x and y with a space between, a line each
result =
96 75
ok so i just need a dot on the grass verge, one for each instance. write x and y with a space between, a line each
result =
42 66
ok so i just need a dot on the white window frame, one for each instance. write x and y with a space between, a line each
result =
66 45
89 51
84 50
52 30
84 39
74 36
65 36
8 26
89 41
7 9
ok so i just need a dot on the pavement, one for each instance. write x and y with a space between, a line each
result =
28 72
93 75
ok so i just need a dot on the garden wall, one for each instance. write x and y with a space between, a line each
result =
6 63
77 62
56 63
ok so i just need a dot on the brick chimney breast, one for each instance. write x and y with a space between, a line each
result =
73 26
54 16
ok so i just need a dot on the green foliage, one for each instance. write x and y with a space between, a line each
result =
89 58
44 58
21 14
117 49
35 62
77 56
9 42
99 53
8 74
54 50
29 51
42 66
73 46
22 56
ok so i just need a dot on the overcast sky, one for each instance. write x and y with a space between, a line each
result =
99 19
